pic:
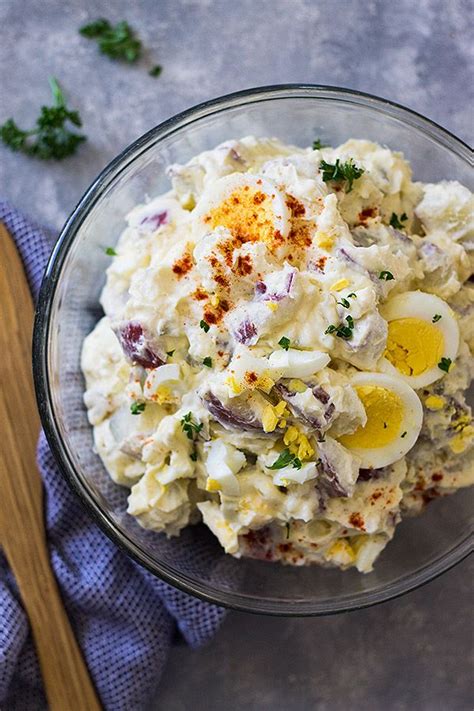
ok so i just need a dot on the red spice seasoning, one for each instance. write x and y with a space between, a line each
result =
295 206
357 521
243 265
183 265
367 214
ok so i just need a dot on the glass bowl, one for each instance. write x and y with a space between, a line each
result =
69 307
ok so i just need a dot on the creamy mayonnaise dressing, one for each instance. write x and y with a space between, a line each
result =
285 350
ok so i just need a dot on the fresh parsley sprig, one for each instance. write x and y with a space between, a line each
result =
136 408
285 459
396 222
445 364
341 330
50 139
190 427
386 276
284 343
317 145
341 172
117 42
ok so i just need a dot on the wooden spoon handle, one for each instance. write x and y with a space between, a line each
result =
22 533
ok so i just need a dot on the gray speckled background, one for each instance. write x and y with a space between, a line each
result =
415 652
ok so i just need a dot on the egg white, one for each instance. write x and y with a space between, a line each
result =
412 419
418 304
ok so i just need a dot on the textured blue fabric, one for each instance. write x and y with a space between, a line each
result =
123 617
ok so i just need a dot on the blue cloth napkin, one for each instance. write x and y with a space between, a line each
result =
124 618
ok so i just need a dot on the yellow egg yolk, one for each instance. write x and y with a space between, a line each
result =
384 411
248 214
413 345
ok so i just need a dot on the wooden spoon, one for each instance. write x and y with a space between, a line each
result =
22 533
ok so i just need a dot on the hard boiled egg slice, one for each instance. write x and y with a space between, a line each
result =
423 335
297 364
223 461
251 207
394 418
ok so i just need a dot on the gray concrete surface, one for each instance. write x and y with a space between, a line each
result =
411 653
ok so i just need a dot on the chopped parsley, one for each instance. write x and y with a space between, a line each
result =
50 138
190 427
287 526
207 362
396 222
352 295
284 342
136 408
193 456
445 364
436 318
117 42
156 70
342 331
285 459
386 276
110 252
404 434
170 353
204 325
341 172
345 303
317 145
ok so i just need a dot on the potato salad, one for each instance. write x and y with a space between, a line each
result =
286 350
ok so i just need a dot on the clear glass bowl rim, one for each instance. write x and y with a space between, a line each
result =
49 285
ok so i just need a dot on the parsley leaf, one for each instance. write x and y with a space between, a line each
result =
352 295
193 456
397 223
110 252
284 342
341 172
136 408
341 330
386 276
50 139
404 434
317 145
287 526
445 364
436 318
285 459
156 70
345 303
117 42
190 427
170 353
207 362
205 326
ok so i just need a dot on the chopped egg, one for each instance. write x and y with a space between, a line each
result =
292 475
339 285
298 364
422 330
251 207
223 461
394 418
